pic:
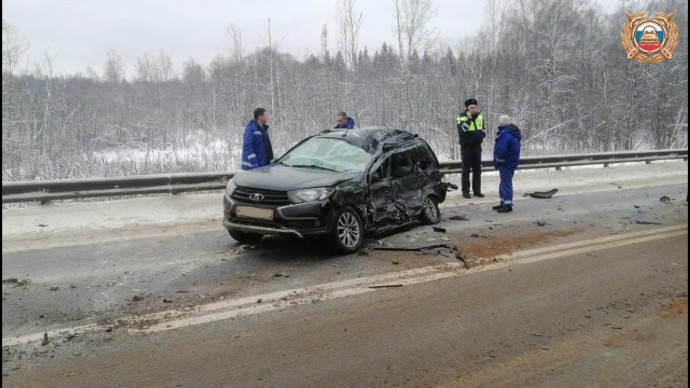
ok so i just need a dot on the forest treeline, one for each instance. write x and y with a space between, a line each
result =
556 67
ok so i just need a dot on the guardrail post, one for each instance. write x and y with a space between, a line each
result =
171 184
558 168
606 165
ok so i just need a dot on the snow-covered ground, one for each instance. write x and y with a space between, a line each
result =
206 152
206 209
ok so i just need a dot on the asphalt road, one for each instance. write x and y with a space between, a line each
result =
586 289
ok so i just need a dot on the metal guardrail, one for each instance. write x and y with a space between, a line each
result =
45 191
570 160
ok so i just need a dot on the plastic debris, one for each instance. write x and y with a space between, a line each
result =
542 194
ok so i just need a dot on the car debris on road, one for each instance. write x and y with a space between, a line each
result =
542 194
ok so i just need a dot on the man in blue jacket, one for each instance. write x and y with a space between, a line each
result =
256 144
344 121
506 159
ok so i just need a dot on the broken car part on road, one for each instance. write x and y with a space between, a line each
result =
542 194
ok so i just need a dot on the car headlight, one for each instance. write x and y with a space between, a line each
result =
309 195
230 187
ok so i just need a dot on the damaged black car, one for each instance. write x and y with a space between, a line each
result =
341 184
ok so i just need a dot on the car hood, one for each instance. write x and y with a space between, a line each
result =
284 178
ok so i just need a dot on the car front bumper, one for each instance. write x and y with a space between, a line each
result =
304 219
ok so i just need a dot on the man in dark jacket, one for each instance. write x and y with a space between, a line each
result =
471 134
257 150
506 160
344 121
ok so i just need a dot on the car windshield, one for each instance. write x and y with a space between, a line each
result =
327 154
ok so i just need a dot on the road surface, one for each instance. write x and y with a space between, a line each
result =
588 288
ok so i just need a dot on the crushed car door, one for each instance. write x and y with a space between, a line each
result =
408 183
381 207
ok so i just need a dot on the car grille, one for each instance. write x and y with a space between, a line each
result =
300 225
271 197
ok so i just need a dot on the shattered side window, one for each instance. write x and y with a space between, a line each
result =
420 158
400 164
382 170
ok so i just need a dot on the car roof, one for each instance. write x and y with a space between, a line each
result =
371 138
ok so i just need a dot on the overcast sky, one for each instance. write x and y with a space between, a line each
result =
77 34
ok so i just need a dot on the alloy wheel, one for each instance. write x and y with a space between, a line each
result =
430 209
348 230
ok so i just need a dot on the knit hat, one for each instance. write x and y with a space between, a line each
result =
503 120
471 101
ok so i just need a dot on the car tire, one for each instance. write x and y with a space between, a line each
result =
430 212
245 237
348 231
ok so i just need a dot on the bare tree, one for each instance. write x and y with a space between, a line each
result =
325 77
236 48
412 24
113 67
350 23
165 66
193 73
90 73
412 30
13 47
324 43
147 68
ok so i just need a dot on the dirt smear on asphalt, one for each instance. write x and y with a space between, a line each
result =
478 250
677 309
475 249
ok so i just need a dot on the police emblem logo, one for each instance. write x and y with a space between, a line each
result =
648 40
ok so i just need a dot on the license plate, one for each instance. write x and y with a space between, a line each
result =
254 212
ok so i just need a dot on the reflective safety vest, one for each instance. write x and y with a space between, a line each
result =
465 124
470 131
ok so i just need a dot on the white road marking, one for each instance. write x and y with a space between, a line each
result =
212 312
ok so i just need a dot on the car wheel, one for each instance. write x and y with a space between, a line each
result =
348 231
245 237
430 212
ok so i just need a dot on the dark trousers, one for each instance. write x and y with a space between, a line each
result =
471 157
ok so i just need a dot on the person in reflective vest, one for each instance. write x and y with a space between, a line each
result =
257 150
471 134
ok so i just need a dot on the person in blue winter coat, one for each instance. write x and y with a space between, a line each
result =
506 160
257 150
344 121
